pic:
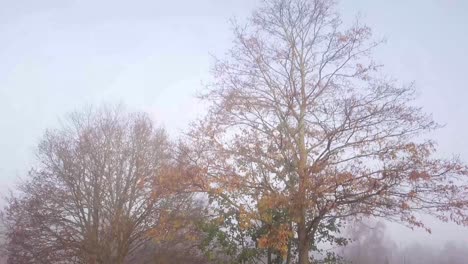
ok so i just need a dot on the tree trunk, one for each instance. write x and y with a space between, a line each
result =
302 233
269 256
288 258
303 246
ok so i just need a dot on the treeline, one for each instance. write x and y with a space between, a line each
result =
302 134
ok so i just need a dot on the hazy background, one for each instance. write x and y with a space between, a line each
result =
153 55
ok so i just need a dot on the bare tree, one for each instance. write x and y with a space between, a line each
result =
303 131
96 192
371 244
3 254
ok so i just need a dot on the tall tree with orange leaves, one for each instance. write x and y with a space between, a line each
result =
303 131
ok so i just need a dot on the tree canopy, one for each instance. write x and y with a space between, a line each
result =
96 193
304 132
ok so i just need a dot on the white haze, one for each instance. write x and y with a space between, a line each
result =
153 55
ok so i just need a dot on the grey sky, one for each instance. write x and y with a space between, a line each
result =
152 55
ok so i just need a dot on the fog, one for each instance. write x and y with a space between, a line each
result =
59 55
372 244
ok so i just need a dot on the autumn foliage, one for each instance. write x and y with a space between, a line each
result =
99 191
302 134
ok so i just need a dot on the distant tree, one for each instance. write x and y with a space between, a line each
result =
3 258
181 242
369 243
303 132
100 186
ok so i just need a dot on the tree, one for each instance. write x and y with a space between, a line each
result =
303 132
99 188
181 243
370 244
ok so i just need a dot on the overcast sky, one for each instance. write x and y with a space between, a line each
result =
60 55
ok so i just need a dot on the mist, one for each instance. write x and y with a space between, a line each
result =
371 243
156 56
